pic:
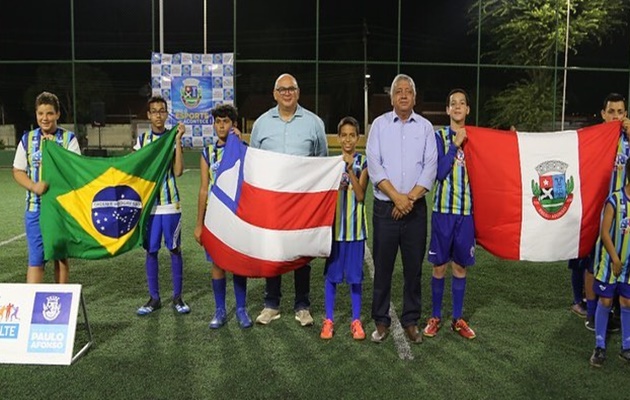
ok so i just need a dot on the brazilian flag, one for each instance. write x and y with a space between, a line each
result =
99 207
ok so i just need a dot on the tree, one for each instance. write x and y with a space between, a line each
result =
533 33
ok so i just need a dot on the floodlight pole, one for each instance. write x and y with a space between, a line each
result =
161 16
365 79
205 26
566 61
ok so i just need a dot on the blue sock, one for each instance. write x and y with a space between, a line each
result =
330 291
458 288
177 273
218 286
577 284
437 294
625 328
355 297
591 305
601 323
152 275
240 291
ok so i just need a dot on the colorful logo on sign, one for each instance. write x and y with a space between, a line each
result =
49 323
553 193
9 320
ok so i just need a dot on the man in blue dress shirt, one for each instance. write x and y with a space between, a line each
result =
402 165
290 129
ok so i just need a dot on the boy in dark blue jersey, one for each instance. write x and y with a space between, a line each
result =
349 234
613 109
165 219
27 173
452 228
225 117
611 272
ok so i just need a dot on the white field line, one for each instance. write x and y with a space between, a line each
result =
13 239
396 330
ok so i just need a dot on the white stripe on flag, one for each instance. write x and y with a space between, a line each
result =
291 174
265 244
540 236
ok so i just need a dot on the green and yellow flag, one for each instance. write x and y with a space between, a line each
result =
99 207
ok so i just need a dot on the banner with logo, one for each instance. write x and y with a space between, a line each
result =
37 323
192 85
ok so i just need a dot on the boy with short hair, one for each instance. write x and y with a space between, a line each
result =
452 228
611 273
349 234
613 109
27 173
225 118
165 219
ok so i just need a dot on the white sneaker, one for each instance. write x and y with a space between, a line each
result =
304 316
267 315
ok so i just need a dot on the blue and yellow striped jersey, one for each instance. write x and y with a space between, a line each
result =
31 143
169 194
452 189
618 179
620 234
212 154
350 216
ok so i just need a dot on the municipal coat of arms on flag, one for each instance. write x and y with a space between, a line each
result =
269 213
98 207
539 196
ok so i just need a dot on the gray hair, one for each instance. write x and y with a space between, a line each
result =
402 77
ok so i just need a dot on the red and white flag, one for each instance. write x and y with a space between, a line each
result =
269 213
539 196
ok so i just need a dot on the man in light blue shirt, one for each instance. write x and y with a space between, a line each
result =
402 165
290 129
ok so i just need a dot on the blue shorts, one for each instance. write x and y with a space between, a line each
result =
452 238
167 225
609 290
346 260
34 239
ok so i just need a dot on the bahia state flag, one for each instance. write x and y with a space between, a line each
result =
539 196
98 207
269 213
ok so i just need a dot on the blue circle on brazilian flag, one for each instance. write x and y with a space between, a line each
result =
116 210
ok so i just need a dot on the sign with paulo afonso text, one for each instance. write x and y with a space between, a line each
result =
38 323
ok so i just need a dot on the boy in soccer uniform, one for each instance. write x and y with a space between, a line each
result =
350 232
225 117
27 173
612 273
614 109
452 228
165 219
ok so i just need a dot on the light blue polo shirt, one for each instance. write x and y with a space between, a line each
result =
302 135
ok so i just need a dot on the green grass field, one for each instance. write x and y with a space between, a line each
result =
528 343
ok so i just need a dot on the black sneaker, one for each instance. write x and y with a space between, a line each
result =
625 355
180 306
598 357
152 305
614 325
590 323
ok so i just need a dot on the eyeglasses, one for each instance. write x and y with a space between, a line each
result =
156 112
285 90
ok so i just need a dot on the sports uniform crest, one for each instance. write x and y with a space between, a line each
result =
553 193
51 308
190 93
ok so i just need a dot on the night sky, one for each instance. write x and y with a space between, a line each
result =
432 31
